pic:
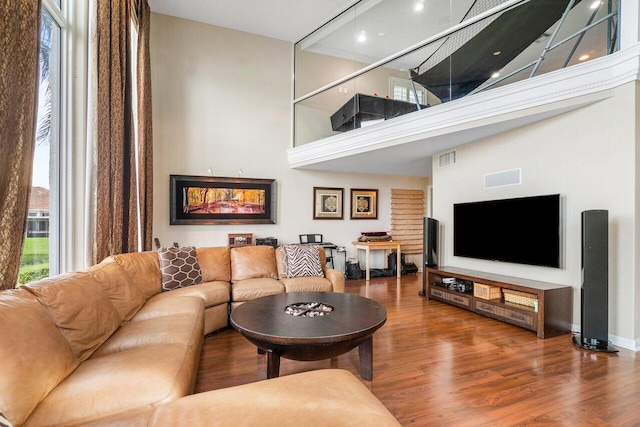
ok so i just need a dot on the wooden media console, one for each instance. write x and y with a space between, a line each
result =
548 315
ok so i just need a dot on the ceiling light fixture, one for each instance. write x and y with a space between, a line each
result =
596 4
583 57
362 37
497 52
495 75
418 7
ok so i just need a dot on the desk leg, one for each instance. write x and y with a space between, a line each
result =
398 265
367 274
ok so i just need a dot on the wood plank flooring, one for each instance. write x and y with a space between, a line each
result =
439 365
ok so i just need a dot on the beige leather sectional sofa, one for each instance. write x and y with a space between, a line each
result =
105 346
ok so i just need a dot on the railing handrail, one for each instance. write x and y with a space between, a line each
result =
462 25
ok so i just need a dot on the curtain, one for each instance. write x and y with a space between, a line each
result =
19 59
145 136
123 180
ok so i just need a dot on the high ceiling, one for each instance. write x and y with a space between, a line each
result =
288 20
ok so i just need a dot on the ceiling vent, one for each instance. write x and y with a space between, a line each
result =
447 159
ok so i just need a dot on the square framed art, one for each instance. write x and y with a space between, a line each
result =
328 203
364 204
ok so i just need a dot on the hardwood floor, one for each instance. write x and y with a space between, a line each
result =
439 365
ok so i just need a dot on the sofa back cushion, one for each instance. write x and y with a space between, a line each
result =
37 356
282 274
80 309
215 264
253 262
144 270
116 283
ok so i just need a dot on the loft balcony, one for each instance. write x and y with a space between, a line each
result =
495 70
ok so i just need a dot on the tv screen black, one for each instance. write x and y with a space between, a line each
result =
523 230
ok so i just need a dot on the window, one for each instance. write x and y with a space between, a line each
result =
41 248
401 90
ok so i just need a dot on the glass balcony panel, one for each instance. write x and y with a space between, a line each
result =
487 54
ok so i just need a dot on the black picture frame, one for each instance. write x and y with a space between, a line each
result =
207 200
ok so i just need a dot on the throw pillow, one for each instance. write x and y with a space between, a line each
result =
179 267
301 260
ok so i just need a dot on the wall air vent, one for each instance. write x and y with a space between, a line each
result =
447 159
499 179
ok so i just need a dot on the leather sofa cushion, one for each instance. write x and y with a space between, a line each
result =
252 262
36 354
307 284
123 383
123 294
329 397
251 289
160 305
144 270
186 328
80 309
213 293
215 264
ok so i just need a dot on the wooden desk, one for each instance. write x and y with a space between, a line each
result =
379 246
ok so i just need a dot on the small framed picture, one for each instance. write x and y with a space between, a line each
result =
327 203
364 204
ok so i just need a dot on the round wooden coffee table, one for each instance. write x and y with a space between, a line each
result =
310 326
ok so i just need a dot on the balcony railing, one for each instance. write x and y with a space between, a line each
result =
384 58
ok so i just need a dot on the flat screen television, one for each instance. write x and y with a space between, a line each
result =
524 230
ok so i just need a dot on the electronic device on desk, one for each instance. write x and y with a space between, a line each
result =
374 236
267 241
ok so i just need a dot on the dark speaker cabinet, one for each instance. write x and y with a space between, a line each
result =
594 297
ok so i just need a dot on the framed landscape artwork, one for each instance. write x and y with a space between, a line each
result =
217 200
364 204
327 203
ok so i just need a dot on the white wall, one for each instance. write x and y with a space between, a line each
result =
589 157
222 99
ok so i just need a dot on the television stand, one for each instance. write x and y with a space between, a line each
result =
550 317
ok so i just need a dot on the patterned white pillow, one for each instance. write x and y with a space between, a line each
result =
301 261
179 267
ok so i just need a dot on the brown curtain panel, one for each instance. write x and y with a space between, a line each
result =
118 177
19 50
145 136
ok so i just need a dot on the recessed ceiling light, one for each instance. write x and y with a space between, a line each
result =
495 75
418 7
497 52
596 4
362 37
380 34
583 58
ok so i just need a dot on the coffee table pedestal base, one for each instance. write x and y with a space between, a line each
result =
305 353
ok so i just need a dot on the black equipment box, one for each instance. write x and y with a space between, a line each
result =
267 241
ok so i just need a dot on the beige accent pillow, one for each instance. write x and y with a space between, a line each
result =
179 267
80 309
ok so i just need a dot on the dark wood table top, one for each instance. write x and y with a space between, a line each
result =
353 316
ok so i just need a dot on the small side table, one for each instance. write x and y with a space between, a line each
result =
378 246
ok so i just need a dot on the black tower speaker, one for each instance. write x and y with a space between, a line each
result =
594 305
430 244
429 248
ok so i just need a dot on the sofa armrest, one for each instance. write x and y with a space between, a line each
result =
331 397
336 278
